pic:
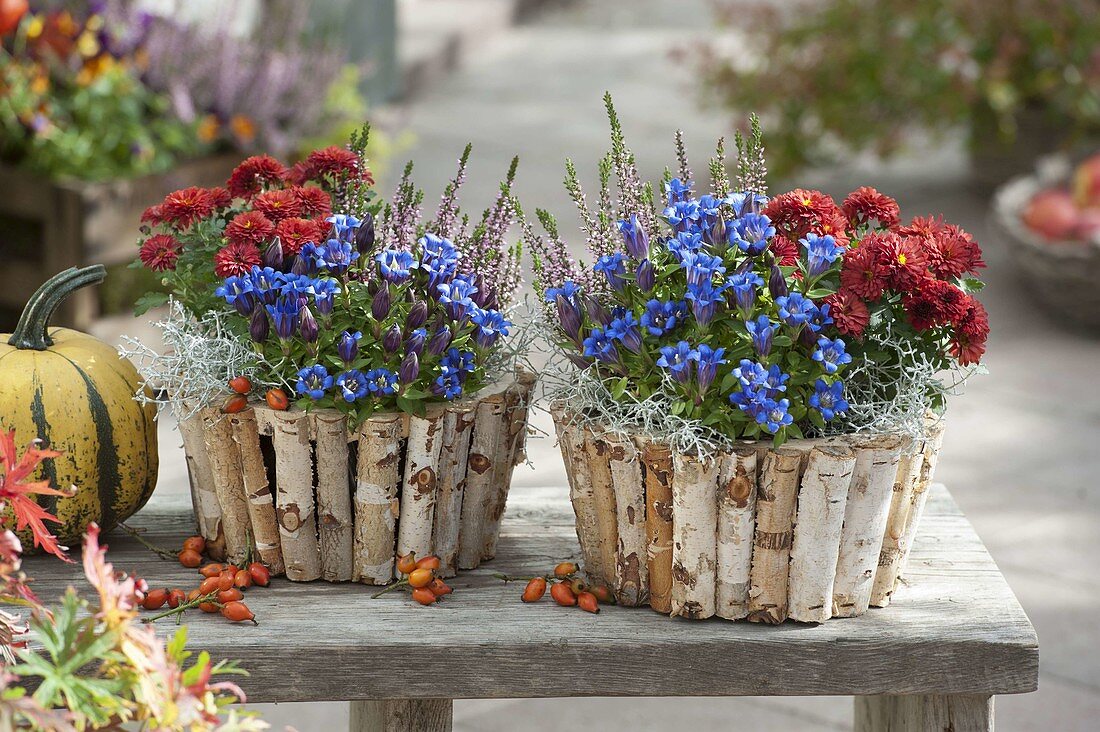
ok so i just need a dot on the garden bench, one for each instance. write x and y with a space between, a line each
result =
954 637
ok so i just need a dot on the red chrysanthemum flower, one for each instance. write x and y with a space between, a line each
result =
954 252
971 333
153 215
250 227
904 261
296 233
861 273
784 250
794 213
312 201
934 303
277 205
160 252
866 204
849 313
834 226
220 196
328 163
254 174
236 259
184 207
922 227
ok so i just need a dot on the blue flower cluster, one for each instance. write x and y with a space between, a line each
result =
708 292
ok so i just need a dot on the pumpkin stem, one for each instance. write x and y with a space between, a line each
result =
31 331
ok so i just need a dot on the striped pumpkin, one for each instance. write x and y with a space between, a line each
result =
75 393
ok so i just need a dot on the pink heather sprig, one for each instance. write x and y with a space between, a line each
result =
634 196
487 248
601 238
447 214
403 214
681 157
554 265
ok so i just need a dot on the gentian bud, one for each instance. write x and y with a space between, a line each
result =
258 325
645 276
578 360
244 303
635 237
569 317
777 283
410 369
391 341
439 342
348 347
380 305
415 342
307 326
364 235
418 314
301 266
597 312
273 257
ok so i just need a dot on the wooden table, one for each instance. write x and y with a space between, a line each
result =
933 660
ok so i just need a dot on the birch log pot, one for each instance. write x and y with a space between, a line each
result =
812 530
315 500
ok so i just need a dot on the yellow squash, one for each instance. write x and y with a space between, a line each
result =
76 393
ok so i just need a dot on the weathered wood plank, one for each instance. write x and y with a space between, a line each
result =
401 715
956 628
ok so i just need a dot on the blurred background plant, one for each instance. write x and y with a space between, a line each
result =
841 76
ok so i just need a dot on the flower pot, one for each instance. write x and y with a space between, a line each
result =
814 529
1061 274
315 500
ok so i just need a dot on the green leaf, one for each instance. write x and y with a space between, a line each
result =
973 284
148 301
416 407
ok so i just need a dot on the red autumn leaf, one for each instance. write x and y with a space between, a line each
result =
17 491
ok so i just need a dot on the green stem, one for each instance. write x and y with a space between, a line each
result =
160 552
394 586
178 610
31 331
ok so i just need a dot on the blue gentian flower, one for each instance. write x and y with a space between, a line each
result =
313 382
613 268
439 257
660 317
677 190
830 354
569 290
828 399
762 331
819 318
381 382
750 373
395 265
701 267
415 342
344 225
490 326
233 287
324 293
751 233
706 367
775 380
742 203
458 362
352 385
284 314
704 300
685 242
821 252
744 286
682 215
635 237
601 346
455 296
335 256
448 386
677 359
625 329
773 415
795 310
645 276
347 347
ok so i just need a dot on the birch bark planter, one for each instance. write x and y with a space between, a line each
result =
812 530
317 501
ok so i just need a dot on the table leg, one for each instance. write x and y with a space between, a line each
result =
928 713
401 715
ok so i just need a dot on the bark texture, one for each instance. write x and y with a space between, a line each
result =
581 496
295 507
376 502
225 462
657 460
258 493
480 471
457 426
336 521
598 451
736 523
694 532
889 558
775 505
200 475
418 489
631 573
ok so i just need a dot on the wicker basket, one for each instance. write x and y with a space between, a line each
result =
812 530
314 501
1062 275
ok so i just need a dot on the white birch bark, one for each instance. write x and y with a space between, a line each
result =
418 489
889 557
932 443
864 524
575 456
335 520
480 471
225 462
775 506
261 501
657 460
736 525
458 425
200 476
694 530
295 507
598 451
376 502
510 451
631 573
822 498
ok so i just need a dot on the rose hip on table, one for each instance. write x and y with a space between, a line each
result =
419 576
568 588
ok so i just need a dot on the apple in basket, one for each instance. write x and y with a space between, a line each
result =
1086 183
1052 214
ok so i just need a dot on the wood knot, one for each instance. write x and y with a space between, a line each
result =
423 481
663 510
290 517
479 463
740 488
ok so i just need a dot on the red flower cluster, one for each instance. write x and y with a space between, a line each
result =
920 262
262 199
